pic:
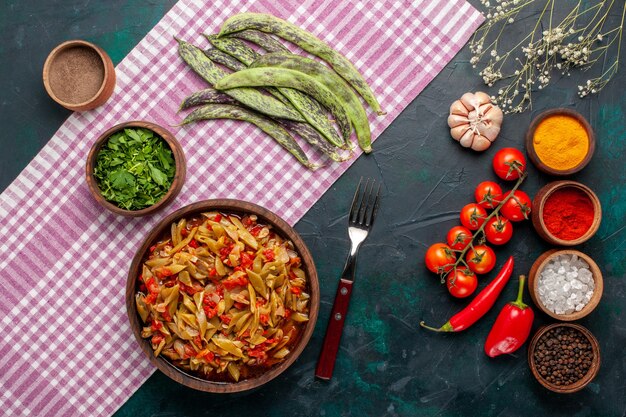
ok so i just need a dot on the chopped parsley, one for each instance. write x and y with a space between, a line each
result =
134 169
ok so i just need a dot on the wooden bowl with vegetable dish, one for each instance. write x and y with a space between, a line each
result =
560 142
135 168
222 296
540 286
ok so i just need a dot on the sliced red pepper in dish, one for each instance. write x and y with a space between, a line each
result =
512 327
480 305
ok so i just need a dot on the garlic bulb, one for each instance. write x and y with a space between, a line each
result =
474 121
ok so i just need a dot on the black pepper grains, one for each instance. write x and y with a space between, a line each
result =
563 356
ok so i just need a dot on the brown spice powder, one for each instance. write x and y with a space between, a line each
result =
76 74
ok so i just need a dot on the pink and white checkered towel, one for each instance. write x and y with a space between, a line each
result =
67 348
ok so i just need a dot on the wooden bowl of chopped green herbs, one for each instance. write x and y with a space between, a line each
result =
135 168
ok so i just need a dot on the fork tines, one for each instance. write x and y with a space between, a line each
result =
365 204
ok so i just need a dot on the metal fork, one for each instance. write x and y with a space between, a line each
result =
361 218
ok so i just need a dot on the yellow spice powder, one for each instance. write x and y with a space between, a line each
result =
561 142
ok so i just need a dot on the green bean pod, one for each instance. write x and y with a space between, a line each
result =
234 47
206 96
307 41
252 98
224 59
282 77
265 41
308 108
273 129
220 57
313 137
330 79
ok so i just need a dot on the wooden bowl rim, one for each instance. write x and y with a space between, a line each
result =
547 190
104 58
177 182
232 206
541 262
530 147
581 383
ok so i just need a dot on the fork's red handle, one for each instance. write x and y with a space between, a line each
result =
326 361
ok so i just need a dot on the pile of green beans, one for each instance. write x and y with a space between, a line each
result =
284 94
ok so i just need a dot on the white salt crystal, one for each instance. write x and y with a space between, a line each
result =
565 284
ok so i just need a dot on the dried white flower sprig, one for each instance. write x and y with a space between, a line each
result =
578 41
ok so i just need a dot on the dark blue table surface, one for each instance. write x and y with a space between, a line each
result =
386 365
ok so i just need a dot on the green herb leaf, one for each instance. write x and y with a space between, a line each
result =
132 134
121 179
158 177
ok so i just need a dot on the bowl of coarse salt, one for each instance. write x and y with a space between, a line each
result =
565 284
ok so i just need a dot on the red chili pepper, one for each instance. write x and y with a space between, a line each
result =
157 338
193 243
184 232
512 327
217 218
264 319
480 305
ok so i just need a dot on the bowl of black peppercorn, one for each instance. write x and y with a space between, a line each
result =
564 357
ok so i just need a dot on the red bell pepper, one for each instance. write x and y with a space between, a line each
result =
480 305
512 327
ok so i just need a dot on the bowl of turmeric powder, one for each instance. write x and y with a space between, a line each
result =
560 142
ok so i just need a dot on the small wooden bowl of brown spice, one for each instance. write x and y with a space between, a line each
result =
79 75
564 357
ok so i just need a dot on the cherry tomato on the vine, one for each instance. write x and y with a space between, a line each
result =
481 259
462 283
459 237
508 162
488 194
498 231
516 208
473 216
439 258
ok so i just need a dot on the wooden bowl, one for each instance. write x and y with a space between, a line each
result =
79 64
281 228
542 261
578 385
177 182
537 212
530 148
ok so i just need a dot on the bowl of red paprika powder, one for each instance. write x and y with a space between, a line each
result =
566 213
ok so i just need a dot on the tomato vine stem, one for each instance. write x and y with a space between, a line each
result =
481 231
